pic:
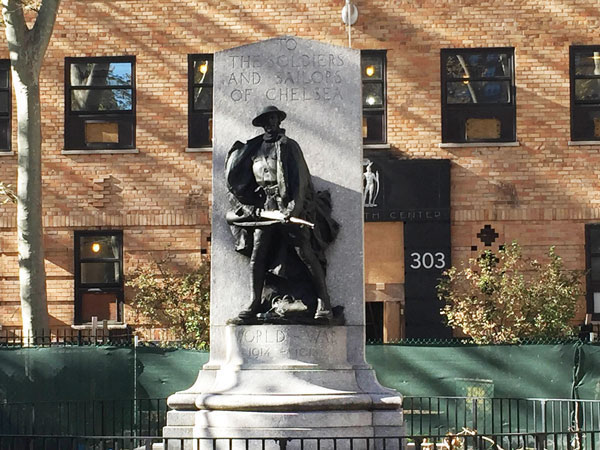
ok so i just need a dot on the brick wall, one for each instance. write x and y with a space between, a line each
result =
541 192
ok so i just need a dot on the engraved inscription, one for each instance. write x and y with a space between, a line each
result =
262 336
258 352
290 76
297 353
269 343
324 337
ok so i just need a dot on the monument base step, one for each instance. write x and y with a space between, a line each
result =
242 425
290 440
304 419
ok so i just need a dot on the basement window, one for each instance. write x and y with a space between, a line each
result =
98 276
100 103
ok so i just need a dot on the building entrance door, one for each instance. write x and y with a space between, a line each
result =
384 280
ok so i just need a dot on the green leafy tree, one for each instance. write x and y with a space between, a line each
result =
506 297
176 301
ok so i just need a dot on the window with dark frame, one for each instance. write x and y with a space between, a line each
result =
592 250
100 103
584 61
478 95
5 105
373 69
200 70
98 276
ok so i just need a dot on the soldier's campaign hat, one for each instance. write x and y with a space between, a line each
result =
258 121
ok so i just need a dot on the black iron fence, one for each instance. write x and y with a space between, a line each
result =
141 417
441 415
422 416
101 334
589 440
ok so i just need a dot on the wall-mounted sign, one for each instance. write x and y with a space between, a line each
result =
399 215
397 190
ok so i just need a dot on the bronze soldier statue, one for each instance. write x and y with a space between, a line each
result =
279 220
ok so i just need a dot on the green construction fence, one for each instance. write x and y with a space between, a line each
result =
566 370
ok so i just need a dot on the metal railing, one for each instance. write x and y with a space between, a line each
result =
141 417
589 440
66 337
426 415
422 416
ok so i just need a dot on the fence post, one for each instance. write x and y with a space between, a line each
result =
135 418
94 329
104 331
539 441
544 424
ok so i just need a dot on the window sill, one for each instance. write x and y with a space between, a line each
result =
575 143
478 144
198 150
100 152
11 153
376 146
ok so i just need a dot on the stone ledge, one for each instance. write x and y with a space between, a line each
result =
376 146
112 151
575 143
478 144
198 150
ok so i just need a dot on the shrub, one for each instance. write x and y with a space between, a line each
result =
506 297
176 301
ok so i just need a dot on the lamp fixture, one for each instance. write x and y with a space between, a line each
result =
349 13
349 17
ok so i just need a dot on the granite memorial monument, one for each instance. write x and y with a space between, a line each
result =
287 293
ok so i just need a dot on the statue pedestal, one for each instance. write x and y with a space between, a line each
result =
285 381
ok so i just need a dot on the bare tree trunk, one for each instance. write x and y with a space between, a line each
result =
32 274
27 49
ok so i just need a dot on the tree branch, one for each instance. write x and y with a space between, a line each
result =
16 27
42 29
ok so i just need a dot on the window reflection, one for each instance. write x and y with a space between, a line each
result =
87 77
200 100
99 273
101 74
478 65
478 92
107 247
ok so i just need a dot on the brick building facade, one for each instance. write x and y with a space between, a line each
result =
538 184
